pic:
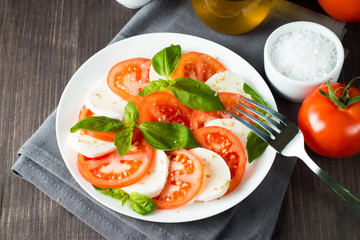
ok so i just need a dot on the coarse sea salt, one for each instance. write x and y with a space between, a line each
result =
303 55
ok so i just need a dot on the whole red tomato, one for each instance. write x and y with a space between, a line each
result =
329 130
342 10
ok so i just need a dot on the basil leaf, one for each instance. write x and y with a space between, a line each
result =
141 204
166 61
98 124
116 193
154 86
168 136
138 203
255 146
196 95
123 140
131 114
255 96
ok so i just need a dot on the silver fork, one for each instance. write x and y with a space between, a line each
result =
287 139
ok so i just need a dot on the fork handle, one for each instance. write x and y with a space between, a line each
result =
353 201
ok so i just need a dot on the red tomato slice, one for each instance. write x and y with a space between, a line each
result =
200 118
184 180
113 171
164 107
198 66
229 147
105 136
129 77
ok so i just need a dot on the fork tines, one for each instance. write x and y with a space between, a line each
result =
282 132
280 126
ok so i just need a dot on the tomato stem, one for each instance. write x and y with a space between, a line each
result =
345 100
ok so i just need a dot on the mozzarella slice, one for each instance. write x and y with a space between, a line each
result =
89 146
216 175
154 182
227 82
236 127
153 75
103 102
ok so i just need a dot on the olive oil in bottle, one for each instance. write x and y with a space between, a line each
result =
232 16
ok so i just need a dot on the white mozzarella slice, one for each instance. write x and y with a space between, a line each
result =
103 102
236 127
227 82
216 175
89 146
152 184
153 75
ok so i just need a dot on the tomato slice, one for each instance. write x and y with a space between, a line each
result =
200 118
198 66
229 147
129 77
113 171
184 180
105 136
163 107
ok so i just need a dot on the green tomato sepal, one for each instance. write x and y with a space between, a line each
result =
344 100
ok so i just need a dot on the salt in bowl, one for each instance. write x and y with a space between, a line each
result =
299 57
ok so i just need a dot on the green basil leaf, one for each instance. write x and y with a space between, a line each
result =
166 61
123 140
141 204
138 203
255 146
168 136
116 193
131 114
98 124
154 86
255 96
196 95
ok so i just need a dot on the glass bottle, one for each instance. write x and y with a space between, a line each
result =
232 16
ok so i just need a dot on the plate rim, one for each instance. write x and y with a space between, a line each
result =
182 37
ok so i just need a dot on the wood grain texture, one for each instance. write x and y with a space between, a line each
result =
43 43
310 209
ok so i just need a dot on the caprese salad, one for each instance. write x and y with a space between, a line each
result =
156 132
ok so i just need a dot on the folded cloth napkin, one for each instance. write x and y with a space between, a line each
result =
41 164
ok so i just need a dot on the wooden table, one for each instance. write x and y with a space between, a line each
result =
43 43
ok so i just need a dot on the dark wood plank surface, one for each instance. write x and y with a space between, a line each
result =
43 43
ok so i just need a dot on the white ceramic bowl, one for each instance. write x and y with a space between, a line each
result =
292 89
133 4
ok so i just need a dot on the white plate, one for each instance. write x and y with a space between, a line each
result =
147 45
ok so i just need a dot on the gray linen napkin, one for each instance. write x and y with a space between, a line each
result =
41 164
